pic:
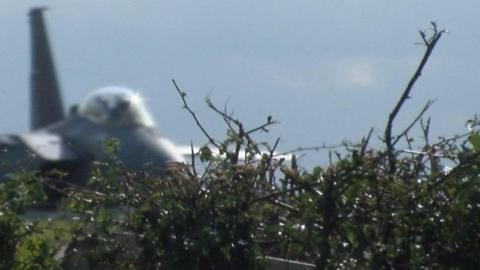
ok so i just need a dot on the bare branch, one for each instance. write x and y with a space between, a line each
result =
192 152
222 113
419 116
262 127
311 148
365 142
185 105
430 45
426 130
241 130
269 161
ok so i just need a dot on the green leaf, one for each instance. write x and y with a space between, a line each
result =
112 147
474 139
205 153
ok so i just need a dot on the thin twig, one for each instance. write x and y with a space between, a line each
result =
426 130
193 160
222 113
311 148
185 105
241 133
419 116
262 127
238 144
423 153
269 161
365 142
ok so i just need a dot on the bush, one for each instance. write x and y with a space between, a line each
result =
370 209
21 246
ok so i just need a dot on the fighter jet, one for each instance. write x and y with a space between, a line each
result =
72 142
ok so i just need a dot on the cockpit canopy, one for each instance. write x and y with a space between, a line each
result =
115 106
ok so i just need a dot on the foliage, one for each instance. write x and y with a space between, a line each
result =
21 245
415 207
358 214
182 220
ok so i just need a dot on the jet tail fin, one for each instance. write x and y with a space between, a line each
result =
45 100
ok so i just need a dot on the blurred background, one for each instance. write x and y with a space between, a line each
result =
327 70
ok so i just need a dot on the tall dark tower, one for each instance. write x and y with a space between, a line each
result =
45 101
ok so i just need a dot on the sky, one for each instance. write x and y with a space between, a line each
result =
327 70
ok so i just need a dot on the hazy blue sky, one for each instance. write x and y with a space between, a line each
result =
327 70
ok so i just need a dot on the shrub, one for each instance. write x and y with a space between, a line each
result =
385 208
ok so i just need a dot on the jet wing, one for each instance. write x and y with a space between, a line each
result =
171 149
32 151
48 146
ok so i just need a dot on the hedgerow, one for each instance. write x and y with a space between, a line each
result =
238 201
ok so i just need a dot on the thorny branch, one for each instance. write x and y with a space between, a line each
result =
429 43
311 148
